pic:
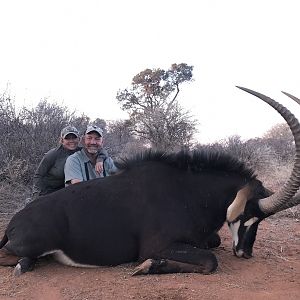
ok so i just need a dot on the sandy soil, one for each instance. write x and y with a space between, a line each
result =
273 273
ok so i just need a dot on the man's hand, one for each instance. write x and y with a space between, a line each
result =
75 180
99 167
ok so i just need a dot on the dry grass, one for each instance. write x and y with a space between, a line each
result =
275 174
12 197
274 178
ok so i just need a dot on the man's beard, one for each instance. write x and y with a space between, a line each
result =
92 150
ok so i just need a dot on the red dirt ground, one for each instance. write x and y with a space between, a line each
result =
273 273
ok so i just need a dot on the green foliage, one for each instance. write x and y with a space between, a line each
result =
154 112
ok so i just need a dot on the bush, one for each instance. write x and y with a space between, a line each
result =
12 197
261 156
26 134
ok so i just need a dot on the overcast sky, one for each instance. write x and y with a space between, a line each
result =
80 53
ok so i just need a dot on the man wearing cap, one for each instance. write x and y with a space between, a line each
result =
80 166
49 176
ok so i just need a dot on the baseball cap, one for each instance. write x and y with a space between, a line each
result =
92 128
69 130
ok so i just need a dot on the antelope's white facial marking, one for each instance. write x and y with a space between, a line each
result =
234 228
251 221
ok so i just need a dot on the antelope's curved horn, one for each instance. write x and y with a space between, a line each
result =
291 203
275 202
296 199
292 97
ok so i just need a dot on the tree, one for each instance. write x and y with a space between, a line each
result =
119 140
153 108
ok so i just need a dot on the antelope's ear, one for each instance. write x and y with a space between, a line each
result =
237 207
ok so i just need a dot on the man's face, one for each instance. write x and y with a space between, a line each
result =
92 142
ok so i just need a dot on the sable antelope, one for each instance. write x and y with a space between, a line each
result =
163 210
